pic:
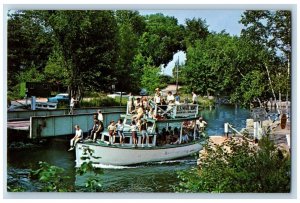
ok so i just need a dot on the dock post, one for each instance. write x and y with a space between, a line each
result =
255 132
226 129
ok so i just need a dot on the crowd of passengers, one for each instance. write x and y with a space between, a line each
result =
141 107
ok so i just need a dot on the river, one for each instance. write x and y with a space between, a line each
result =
152 177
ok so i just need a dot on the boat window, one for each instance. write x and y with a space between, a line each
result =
128 121
188 131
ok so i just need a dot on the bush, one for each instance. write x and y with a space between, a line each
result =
239 166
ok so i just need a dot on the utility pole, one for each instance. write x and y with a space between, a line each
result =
177 70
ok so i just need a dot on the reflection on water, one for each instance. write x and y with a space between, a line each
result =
152 177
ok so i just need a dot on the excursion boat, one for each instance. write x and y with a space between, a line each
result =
172 135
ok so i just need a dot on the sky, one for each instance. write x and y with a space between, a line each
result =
217 20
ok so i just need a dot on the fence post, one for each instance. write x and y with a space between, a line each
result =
226 129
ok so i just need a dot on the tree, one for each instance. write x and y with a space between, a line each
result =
151 78
162 39
88 41
238 165
129 24
29 45
195 29
219 63
273 30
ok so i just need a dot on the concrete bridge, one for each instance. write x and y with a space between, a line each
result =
53 123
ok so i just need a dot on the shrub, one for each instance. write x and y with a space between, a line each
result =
239 166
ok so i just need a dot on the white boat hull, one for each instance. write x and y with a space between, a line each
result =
118 156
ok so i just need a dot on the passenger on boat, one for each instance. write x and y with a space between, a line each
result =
93 130
170 98
169 135
98 130
175 136
134 130
143 130
157 97
130 103
100 116
177 98
201 124
78 137
139 115
185 137
111 131
120 127
150 113
144 103
137 104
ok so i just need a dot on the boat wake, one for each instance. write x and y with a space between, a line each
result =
104 166
180 161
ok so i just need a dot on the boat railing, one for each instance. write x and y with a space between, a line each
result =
172 111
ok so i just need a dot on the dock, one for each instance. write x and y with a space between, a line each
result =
19 125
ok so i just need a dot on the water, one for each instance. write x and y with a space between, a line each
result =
152 177
222 114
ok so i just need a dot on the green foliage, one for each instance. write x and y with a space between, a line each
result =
52 177
195 29
128 48
22 89
31 75
93 182
219 64
162 39
103 101
239 166
15 189
151 78
55 71
270 28
251 86
28 44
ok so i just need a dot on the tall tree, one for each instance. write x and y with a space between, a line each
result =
29 45
130 27
195 29
218 65
162 39
273 30
88 41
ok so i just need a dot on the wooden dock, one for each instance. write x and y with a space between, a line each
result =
18 125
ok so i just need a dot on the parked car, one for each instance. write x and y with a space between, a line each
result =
143 92
118 94
62 97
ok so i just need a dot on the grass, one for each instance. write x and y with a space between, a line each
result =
102 101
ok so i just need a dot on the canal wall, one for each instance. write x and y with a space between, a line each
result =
25 115
59 125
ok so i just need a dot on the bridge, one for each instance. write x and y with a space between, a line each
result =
52 123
